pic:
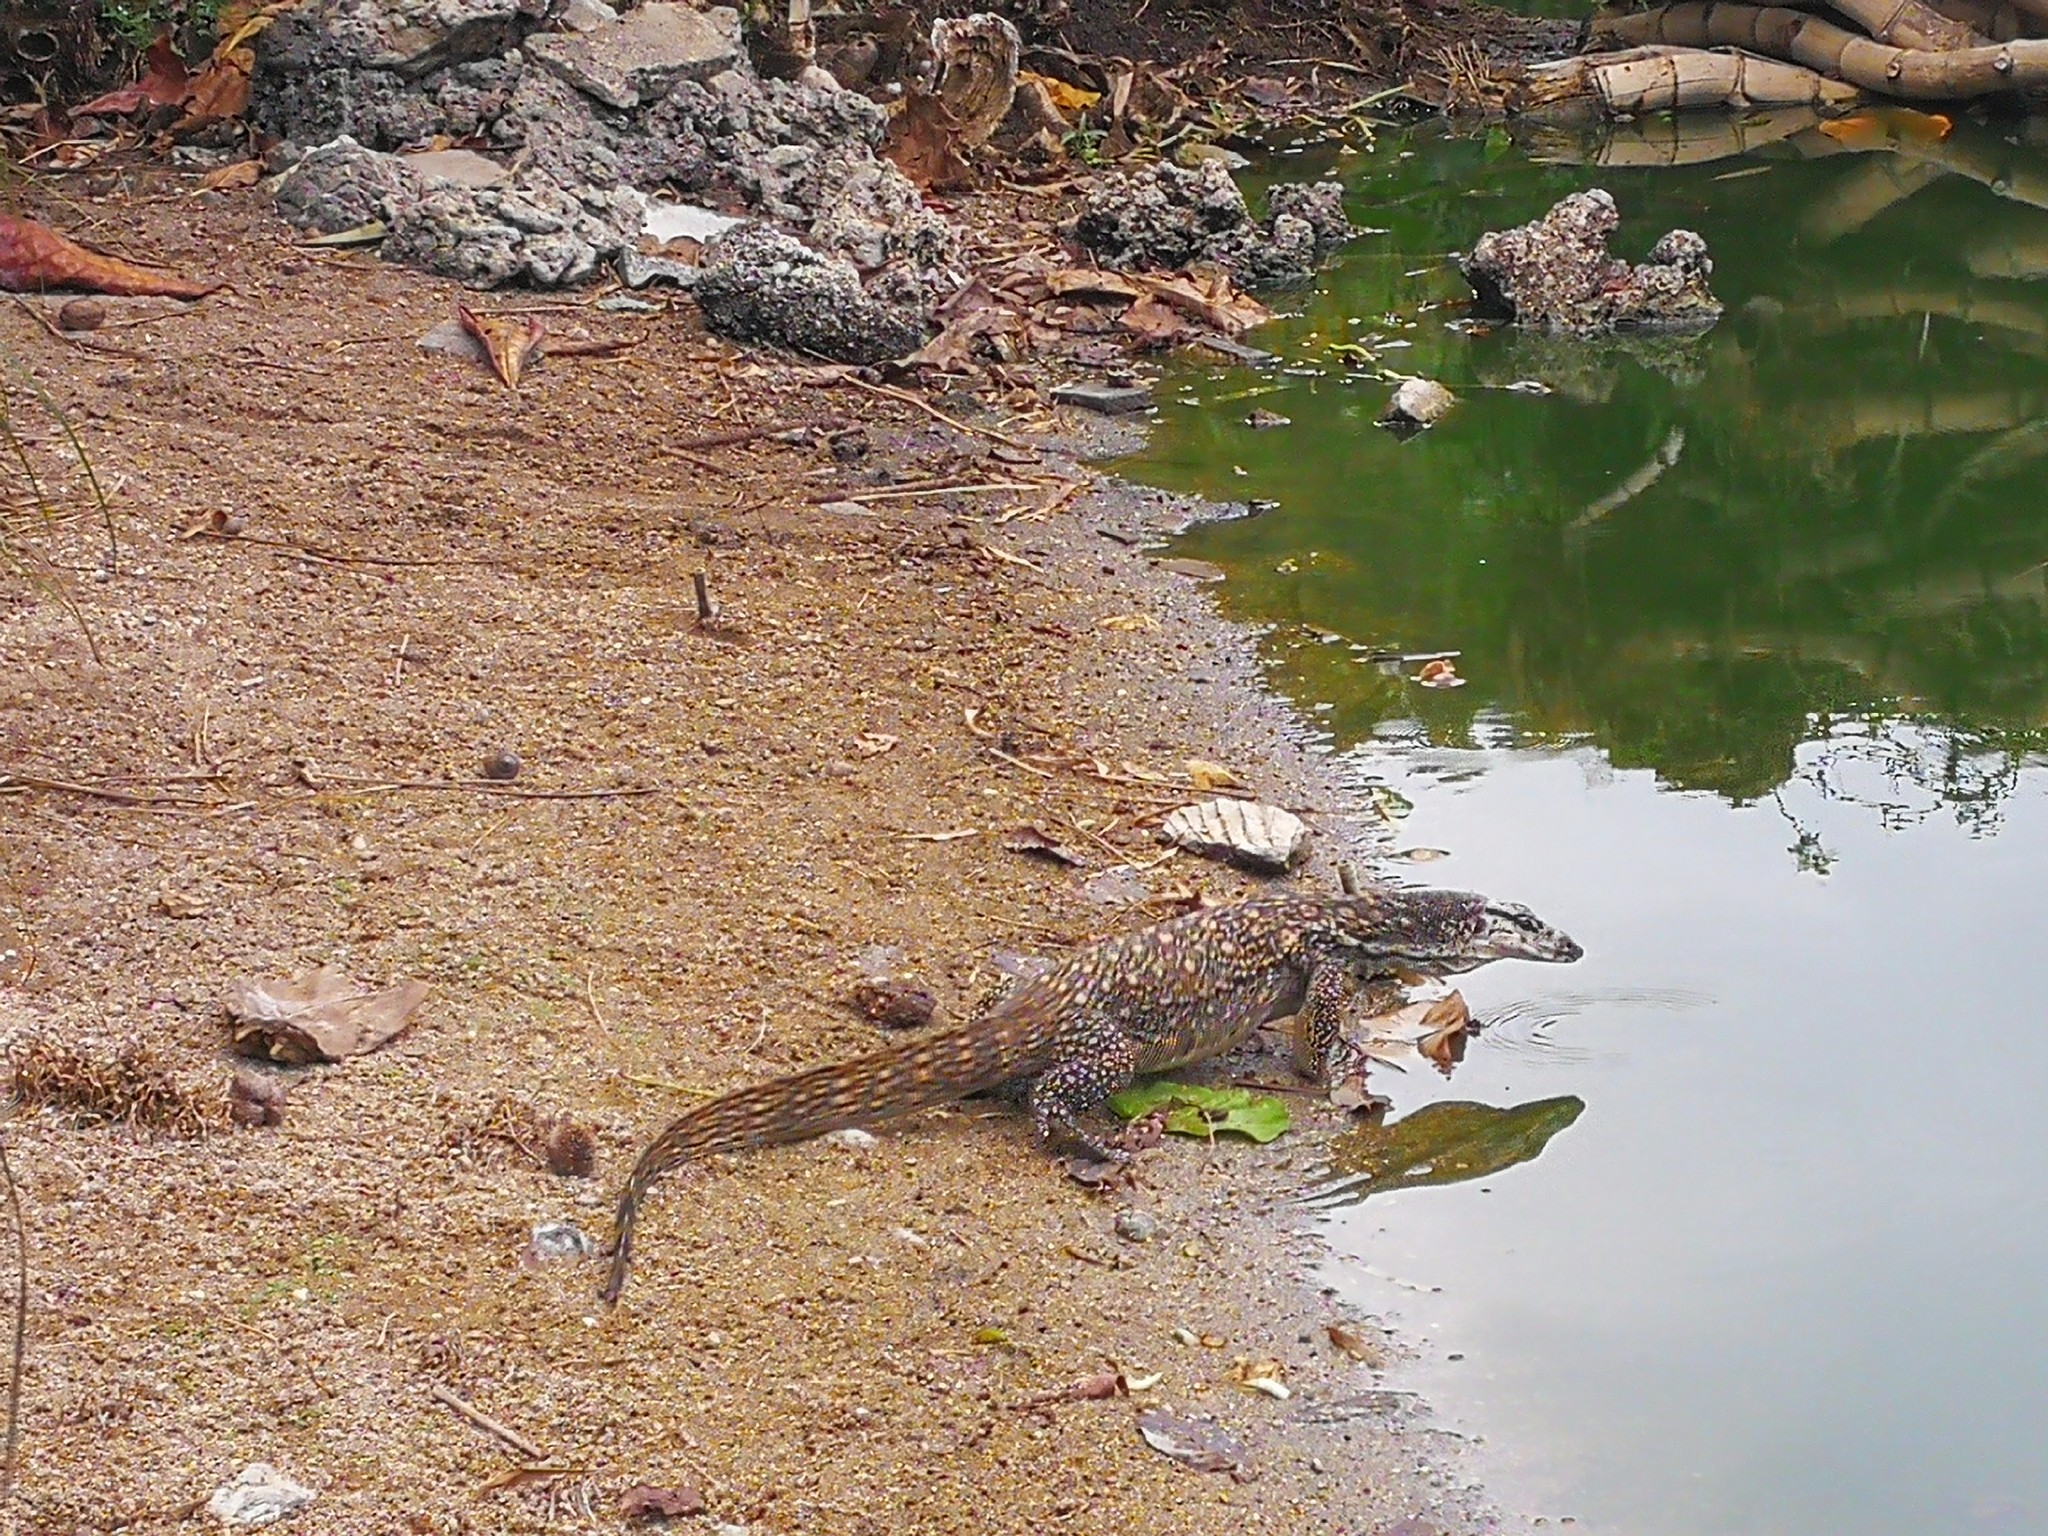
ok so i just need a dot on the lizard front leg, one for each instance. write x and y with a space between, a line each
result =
1103 1062
1321 1053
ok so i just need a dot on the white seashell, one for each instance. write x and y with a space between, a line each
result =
1262 837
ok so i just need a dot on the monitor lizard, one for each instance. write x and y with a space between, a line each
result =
1145 1001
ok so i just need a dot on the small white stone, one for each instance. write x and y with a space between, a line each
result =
852 1139
259 1495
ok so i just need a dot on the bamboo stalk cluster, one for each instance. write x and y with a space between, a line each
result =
1697 53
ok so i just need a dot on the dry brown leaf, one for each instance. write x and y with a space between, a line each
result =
1205 294
1130 621
507 340
1206 775
320 1016
924 144
1155 325
1090 282
220 91
1357 1343
1029 840
243 173
164 84
1445 1026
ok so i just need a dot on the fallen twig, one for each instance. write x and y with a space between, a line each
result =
20 1325
664 1085
332 556
767 429
1046 508
10 779
83 343
916 492
889 392
489 1425
475 786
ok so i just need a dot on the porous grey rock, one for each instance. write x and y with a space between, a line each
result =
384 74
533 231
757 284
391 72
1556 274
1166 217
649 50
342 185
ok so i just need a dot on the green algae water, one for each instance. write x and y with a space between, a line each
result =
1750 1230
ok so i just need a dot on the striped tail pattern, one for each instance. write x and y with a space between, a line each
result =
937 1068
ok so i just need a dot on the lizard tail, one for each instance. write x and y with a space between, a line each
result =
936 1068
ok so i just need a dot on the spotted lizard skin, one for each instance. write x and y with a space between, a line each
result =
1145 1001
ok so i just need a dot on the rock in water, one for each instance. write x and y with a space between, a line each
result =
1556 274
1261 837
1417 403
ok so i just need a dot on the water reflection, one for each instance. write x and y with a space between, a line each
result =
1698 553
1447 1142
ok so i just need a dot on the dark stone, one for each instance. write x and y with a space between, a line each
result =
1105 399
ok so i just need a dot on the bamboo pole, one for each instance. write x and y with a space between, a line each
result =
1832 50
1665 79
1909 24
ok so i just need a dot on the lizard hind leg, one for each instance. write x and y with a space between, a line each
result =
1077 1084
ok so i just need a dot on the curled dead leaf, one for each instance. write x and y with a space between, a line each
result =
508 340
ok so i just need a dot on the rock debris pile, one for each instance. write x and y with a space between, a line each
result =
593 120
1163 217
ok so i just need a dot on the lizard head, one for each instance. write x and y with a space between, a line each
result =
1445 931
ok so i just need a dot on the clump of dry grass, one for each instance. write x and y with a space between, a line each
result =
557 1143
121 1083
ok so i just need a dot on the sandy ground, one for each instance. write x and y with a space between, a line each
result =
424 570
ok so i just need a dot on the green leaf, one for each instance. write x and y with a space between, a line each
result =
1194 1110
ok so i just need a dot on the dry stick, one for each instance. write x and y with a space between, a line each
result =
333 556
486 1423
888 392
20 1326
702 583
1050 505
9 778
929 488
766 429
84 344
476 786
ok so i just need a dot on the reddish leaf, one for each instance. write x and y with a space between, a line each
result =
164 84
508 342
34 257
924 143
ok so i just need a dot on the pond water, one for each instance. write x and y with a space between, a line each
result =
1755 633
